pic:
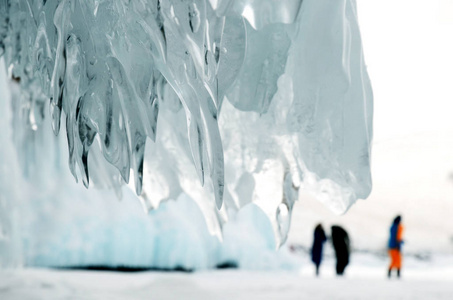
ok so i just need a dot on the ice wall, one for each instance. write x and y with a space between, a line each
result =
9 182
228 102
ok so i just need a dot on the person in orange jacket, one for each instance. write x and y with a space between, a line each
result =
395 242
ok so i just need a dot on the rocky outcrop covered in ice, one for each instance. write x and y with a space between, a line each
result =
227 101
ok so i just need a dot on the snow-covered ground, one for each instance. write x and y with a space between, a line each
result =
365 279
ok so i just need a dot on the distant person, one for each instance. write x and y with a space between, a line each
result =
340 241
318 242
395 241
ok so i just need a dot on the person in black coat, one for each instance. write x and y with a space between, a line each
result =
340 240
319 237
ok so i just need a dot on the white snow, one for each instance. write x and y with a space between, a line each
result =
365 279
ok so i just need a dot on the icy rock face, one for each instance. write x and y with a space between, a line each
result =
256 98
10 183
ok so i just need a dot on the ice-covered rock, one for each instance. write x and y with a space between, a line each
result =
226 101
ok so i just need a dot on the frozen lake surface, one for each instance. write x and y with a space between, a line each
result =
365 279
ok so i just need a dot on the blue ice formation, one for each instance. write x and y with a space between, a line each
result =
229 102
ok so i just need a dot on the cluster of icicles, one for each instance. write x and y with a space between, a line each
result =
108 67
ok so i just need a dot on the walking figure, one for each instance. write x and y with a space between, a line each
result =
395 241
318 242
340 240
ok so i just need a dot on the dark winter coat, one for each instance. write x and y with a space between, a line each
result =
395 239
341 244
318 242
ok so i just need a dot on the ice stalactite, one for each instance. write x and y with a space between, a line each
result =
252 99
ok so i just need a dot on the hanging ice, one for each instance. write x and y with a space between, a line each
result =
257 98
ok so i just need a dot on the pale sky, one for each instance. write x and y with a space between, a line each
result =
408 48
